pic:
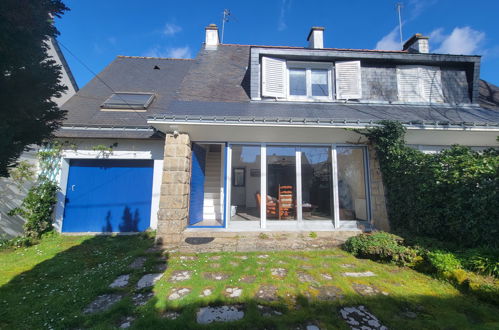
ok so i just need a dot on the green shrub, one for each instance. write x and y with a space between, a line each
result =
451 196
443 262
481 260
16 242
381 246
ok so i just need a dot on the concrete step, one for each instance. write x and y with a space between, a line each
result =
211 202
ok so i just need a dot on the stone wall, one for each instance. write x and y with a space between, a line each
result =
378 202
173 211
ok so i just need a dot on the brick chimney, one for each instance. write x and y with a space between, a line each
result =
417 44
316 37
211 39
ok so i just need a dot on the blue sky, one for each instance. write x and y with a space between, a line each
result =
96 31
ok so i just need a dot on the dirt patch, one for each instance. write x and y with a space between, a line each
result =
216 276
267 293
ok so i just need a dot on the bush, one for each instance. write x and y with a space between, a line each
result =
16 242
443 262
481 260
451 196
381 246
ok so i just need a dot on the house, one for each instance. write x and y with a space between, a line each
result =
244 138
11 192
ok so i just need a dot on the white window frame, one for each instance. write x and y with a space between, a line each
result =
309 66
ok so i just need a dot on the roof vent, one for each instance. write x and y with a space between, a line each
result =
211 39
417 44
316 37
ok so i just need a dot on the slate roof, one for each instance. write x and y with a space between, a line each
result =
124 74
488 95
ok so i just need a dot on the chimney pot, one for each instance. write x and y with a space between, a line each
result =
417 44
211 39
316 37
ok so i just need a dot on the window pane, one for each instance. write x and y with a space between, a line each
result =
316 183
297 82
320 86
245 190
281 183
351 183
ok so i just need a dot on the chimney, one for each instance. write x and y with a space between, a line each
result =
316 37
417 44
211 40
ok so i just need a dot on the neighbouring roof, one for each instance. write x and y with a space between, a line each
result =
488 95
161 76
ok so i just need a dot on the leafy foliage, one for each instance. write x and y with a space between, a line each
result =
381 246
451 195
481 260
443 262
28 79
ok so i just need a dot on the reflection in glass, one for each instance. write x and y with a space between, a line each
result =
297 82
320 82
351 183
316 183
281 183
245 191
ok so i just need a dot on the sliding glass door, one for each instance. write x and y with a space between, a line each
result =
281 183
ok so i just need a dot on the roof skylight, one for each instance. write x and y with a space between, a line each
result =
137 101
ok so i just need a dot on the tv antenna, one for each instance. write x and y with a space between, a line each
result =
225 19
399 6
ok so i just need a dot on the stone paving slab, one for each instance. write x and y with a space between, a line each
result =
216 276
126 322
148 280
179 293
140 299
233 292
103 303
137 263
120 282
181 275
360 318
206 315
267 292
358 274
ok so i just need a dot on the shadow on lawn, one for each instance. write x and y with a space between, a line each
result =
56 291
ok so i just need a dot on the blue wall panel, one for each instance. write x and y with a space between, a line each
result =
105 195
197 184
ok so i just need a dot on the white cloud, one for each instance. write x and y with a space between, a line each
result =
390 42
281 24
462 40
170 52
171 29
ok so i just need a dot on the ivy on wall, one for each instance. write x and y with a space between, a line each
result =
452 195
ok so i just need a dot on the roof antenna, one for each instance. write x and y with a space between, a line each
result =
399 6
225 19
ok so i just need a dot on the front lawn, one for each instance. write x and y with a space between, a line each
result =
50 286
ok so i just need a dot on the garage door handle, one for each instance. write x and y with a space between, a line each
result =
73 187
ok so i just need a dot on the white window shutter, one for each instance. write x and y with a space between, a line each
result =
409 89
431 84
273 77
348 82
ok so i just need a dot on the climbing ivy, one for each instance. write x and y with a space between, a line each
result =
452 195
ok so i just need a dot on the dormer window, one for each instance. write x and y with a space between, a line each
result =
419 84
310 81
128 101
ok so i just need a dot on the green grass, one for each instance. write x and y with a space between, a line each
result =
48 286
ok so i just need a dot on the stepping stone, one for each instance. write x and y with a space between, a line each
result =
281 262
308 267
267 311
102 303
305 277
360 274
206 315
216 265
247 279
216 276
234 264
279 272
327 276
188 257
241 257
180 275
171 315
267 292
233 292
154 249
215 257
137 263
329 293
120 282
303 258
347 266
206 293
366 290
409 314
263 256
140 299
312 327
178 293
360 318
161 267
126 322
148 280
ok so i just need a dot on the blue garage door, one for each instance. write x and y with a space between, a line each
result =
107 195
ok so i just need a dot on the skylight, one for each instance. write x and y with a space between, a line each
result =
138 101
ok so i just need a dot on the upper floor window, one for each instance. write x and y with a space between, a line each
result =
128 101
311 81
419 84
